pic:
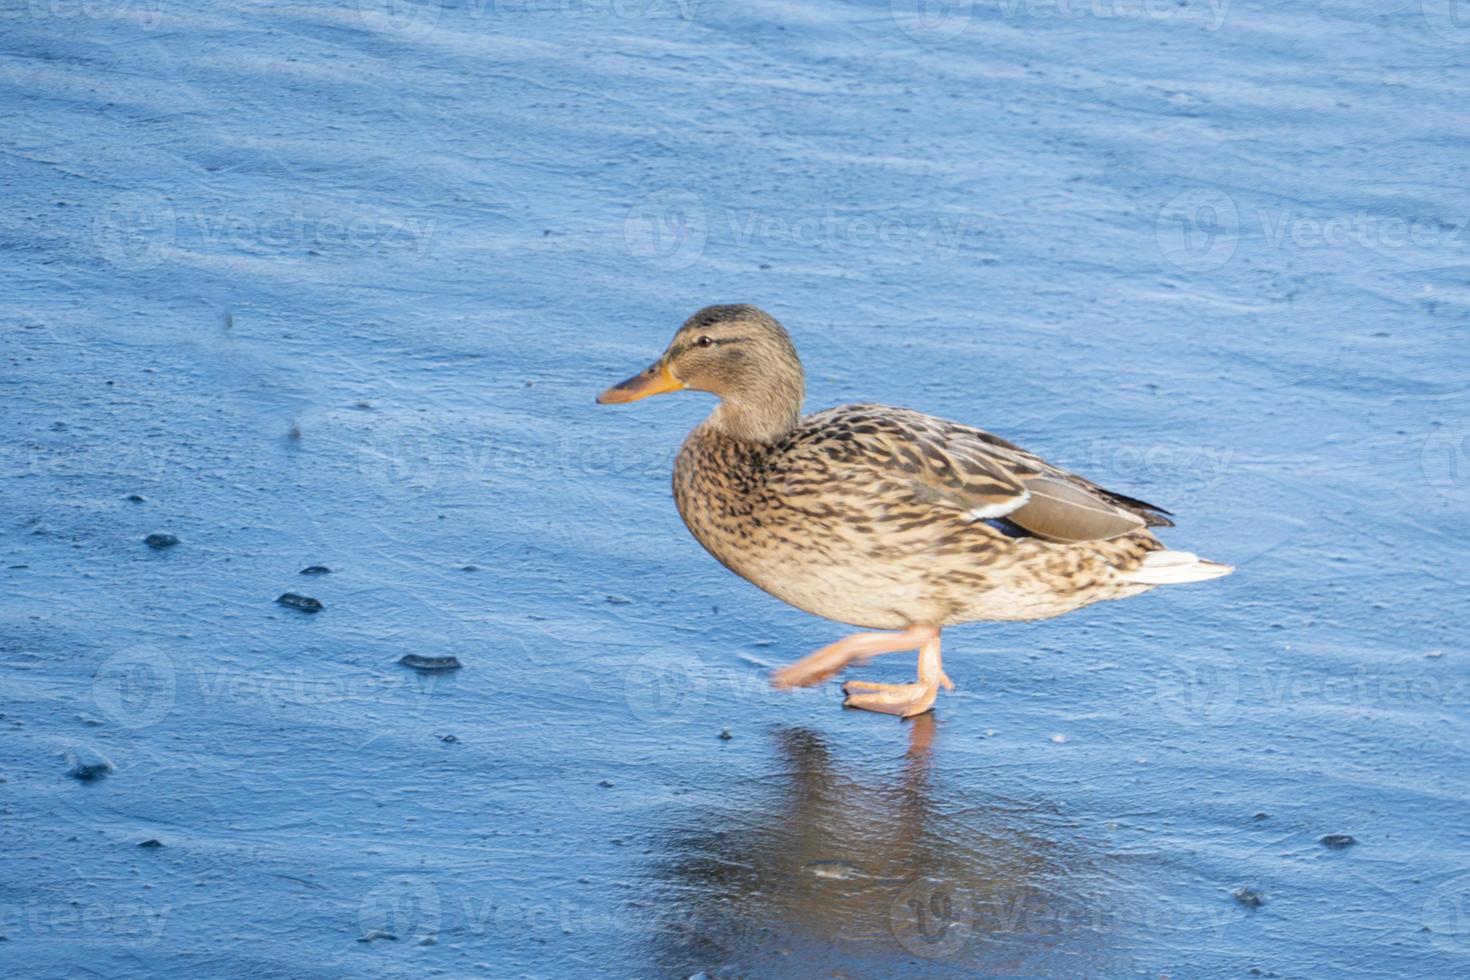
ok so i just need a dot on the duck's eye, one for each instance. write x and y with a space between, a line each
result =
704 342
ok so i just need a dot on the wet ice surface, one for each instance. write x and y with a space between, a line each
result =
331 286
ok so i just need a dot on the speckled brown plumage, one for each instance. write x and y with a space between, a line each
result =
864 514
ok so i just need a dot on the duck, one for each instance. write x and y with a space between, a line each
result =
895 522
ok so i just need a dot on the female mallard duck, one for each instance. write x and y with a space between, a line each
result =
885 518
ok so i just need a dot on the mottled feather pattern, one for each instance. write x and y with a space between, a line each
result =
866 514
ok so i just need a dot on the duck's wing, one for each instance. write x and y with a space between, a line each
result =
913 462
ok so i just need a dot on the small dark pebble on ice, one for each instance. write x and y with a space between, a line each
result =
150 843
1249 897
725 735
1339 841
316 570
159 541
87 764
302 602
429 665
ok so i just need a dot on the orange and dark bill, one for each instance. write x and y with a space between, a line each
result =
656 379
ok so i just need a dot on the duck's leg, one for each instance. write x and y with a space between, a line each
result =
904 700
817 667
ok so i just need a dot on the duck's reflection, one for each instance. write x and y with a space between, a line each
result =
829 869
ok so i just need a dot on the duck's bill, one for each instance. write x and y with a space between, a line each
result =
656 379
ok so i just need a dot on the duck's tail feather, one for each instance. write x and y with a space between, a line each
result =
1174 568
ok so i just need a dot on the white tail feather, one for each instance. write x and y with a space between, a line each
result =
1174 568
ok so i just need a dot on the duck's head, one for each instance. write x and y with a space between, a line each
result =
739 353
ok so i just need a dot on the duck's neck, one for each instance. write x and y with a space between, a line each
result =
765 416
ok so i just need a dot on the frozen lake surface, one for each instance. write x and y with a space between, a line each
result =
335 284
